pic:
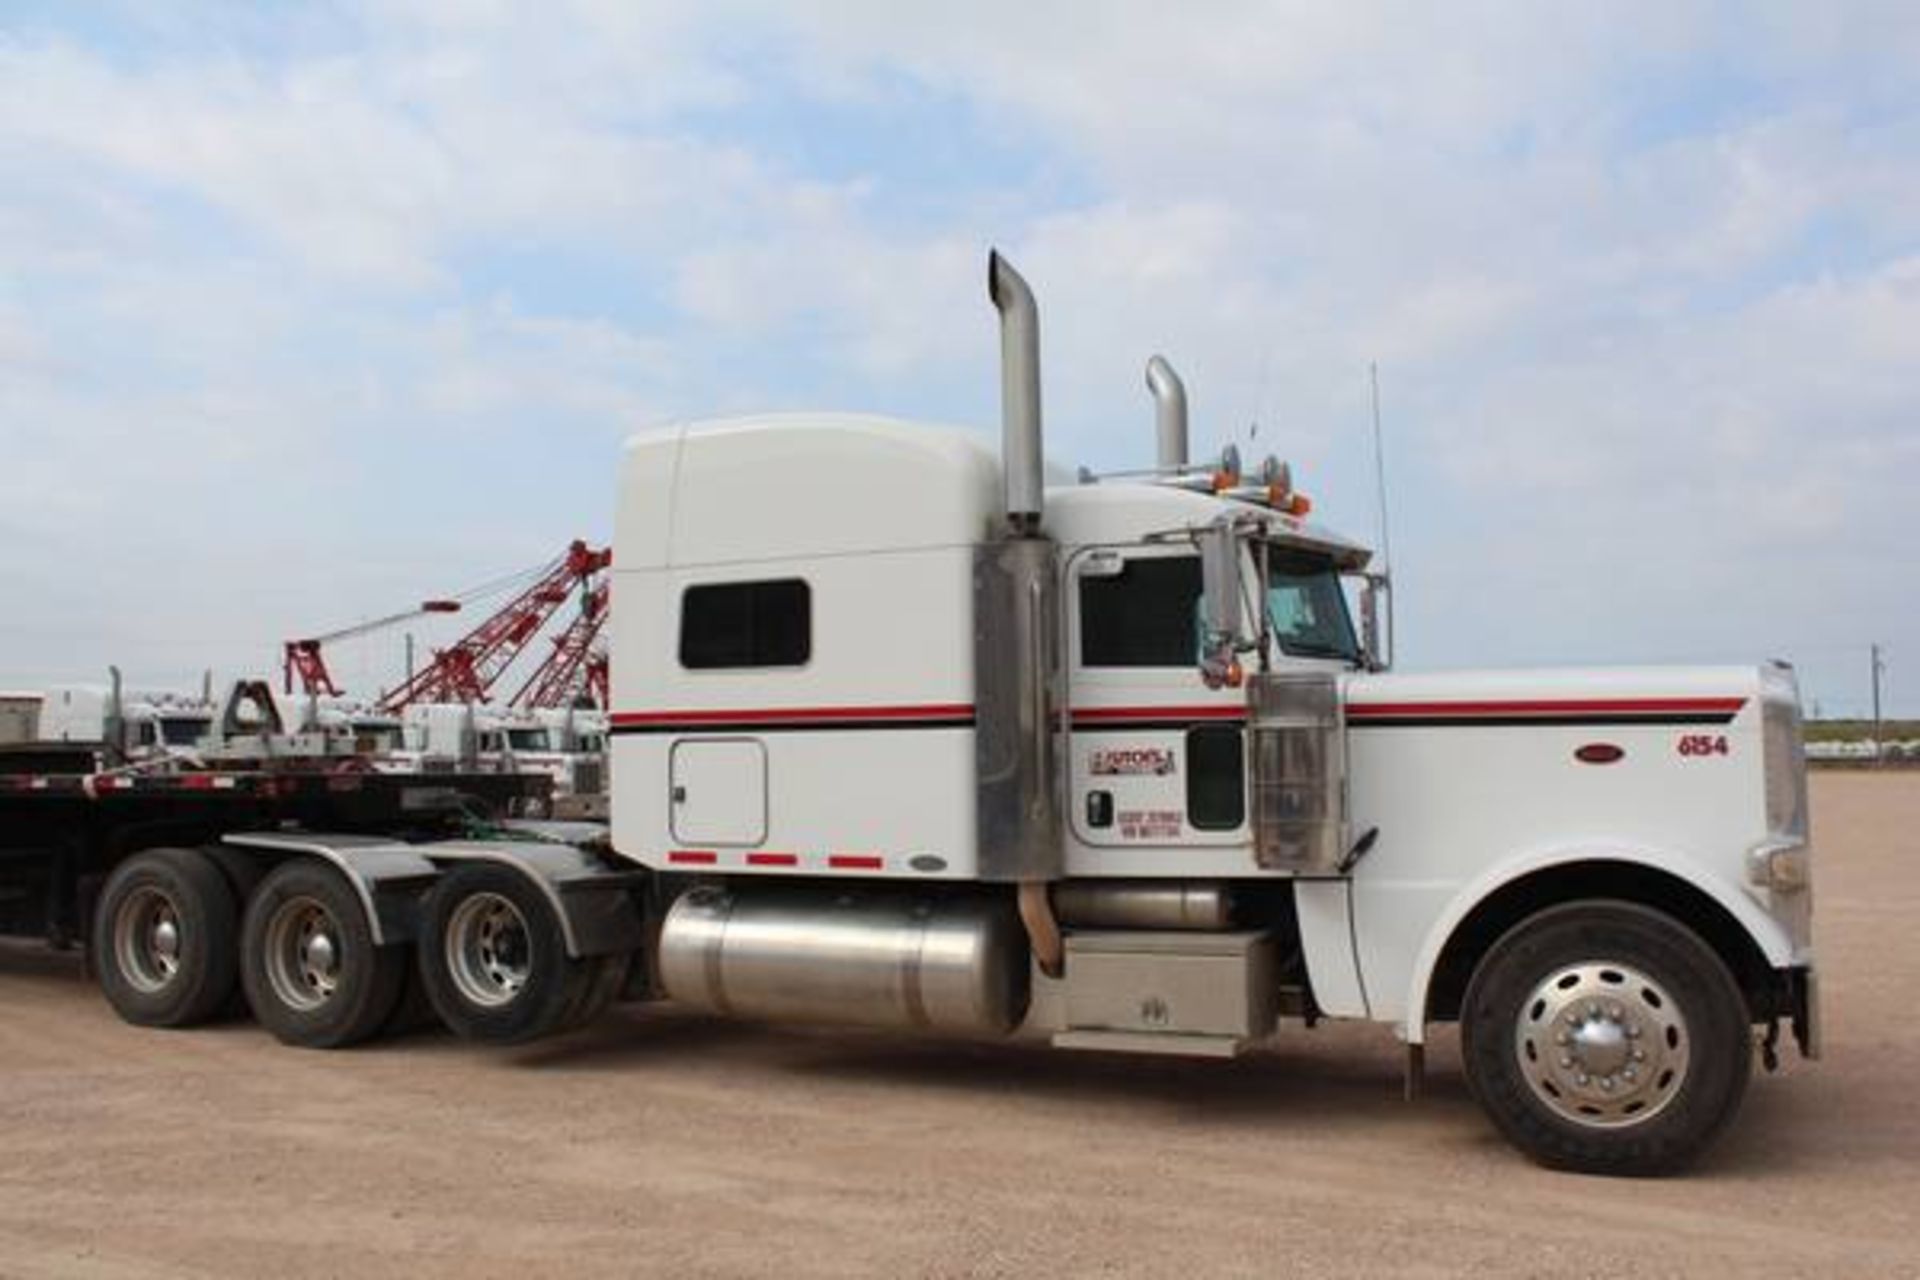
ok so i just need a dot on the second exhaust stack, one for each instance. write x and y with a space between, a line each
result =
1169 413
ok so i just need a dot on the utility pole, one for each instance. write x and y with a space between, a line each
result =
1879 746
409 657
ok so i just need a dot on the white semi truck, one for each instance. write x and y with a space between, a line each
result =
906 737
562 744
124 726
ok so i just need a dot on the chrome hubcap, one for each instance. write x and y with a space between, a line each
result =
303 953
146 939
488 951
1602 1045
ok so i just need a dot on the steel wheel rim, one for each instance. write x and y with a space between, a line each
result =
489 950
1602 1045
146 939
303 953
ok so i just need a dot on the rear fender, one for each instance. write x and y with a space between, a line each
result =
594 904
385 875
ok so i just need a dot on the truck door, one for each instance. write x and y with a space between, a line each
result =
1155 757
719 791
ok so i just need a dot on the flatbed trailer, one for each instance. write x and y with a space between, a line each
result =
66 827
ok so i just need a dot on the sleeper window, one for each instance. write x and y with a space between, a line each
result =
746 624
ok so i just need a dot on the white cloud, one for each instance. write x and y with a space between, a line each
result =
1642 286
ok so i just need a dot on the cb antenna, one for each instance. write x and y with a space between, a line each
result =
1380 485
1380 471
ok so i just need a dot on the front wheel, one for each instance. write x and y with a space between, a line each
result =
1605 1037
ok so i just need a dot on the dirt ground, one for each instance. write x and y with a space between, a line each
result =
661 1144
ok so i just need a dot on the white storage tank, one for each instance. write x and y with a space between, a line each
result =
19 717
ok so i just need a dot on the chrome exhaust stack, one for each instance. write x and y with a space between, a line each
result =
1169 414
1018 816
1020 445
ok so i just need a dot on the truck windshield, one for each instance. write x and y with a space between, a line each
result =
1306 607
377 735
527 739
176 732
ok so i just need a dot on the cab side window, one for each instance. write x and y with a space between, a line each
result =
1216 777
1143 616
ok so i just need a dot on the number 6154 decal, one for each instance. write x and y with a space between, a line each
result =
1704 744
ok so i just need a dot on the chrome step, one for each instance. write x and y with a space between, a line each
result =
1157 1042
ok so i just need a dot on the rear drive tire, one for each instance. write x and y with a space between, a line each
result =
608 974
493 958
165 939
312 972
1606 1037
412 1013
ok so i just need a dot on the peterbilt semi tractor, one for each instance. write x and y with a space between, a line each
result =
908 735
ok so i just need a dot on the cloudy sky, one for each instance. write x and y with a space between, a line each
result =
309 311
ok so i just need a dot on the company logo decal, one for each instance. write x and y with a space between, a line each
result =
1112 762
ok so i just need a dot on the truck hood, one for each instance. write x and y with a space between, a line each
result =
1639 692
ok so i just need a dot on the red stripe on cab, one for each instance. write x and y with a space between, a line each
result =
856 862
1548 707
1212 711
795 715
694 857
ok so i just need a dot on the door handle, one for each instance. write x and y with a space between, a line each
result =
679 795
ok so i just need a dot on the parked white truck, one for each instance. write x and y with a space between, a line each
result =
567 746
905 737
126 726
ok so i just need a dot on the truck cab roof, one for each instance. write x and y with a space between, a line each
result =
1123 510
819 484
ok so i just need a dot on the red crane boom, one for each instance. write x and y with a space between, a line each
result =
558 681
467 670
600 679
302 659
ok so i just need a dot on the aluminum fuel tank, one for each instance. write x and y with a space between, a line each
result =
956 965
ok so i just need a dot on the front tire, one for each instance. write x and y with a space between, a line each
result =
493 958
1605 1037
165 939
313 974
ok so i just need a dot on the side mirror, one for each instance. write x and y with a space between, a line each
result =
1220 603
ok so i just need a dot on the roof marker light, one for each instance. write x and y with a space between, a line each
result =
1226 473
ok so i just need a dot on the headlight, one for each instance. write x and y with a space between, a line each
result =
1786 766
1782 863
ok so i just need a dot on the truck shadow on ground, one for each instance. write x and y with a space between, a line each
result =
1278 1081
1338 1079
1341 1077
36 961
